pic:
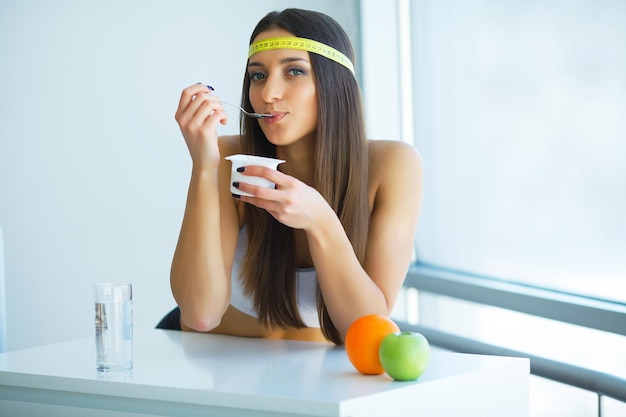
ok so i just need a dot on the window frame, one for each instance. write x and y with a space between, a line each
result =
539 302
589 312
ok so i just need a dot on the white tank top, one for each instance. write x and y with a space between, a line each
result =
306 284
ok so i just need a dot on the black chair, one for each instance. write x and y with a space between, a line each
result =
171 321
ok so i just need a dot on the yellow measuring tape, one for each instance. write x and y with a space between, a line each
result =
302 44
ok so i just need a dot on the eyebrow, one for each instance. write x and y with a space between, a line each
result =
282 61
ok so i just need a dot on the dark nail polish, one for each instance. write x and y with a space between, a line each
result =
241 169
237 196
210 88
236 184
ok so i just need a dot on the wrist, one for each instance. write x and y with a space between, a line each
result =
203 175
327 229
206 164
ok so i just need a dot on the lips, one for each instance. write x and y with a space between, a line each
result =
276 117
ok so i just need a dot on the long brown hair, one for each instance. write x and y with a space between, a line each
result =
341 174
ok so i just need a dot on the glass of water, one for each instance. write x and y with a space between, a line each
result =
114 326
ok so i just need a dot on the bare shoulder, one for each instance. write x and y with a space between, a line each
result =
393 160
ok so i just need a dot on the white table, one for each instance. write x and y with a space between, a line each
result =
188 374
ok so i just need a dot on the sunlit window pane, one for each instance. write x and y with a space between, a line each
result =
520 114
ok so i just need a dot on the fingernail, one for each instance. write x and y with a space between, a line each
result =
241 169
236 184
210 88
237 196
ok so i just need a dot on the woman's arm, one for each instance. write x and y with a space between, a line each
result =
200 273
351 290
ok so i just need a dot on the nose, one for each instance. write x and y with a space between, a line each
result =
273 89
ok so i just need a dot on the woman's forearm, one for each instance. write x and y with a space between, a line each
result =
348 291
199 281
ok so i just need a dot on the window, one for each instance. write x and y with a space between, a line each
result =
519 111
520 114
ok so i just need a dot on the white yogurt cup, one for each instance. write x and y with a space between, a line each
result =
241 160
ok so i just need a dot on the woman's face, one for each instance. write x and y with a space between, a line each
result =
282 83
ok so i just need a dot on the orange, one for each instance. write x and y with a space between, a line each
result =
363 342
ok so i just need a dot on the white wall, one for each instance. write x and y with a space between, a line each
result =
93 169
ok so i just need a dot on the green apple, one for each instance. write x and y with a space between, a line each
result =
404 355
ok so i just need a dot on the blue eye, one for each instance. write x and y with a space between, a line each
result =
256 76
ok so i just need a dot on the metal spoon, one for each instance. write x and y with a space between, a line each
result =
247 113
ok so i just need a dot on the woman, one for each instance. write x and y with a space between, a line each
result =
333 241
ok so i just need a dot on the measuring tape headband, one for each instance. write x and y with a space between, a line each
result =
301 44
